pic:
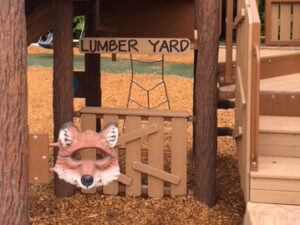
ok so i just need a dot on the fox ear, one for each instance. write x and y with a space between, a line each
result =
110 133
66 137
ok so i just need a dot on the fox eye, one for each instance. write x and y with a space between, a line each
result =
99 155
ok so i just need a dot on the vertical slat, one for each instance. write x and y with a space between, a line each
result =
156 157
179 155
285 21
296 22
88 122
274 22
133 153
229 33
112 188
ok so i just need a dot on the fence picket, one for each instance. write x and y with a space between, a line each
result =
112 188
285 21
156 157
179 155
133 153
274 21
296 21
88 122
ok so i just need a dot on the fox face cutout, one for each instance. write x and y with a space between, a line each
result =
87 173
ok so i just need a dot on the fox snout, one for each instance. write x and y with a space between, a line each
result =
87 180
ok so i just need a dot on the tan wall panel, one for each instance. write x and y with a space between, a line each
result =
280 197
275 184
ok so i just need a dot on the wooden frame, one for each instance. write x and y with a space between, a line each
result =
275 25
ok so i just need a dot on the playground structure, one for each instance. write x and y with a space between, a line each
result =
267 120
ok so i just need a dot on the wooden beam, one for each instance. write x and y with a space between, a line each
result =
136 134
205 101
62 78
13 110
92 63
156 172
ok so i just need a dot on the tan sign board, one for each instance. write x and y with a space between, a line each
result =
135 45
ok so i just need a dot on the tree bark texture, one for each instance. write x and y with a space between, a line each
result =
92 63
62 77
13 111
205 100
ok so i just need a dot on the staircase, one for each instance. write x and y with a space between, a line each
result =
278 177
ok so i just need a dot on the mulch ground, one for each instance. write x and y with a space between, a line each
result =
98 208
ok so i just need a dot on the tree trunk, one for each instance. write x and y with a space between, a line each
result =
13 111
92 62
205 100
62 78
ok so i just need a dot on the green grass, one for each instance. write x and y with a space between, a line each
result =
120 66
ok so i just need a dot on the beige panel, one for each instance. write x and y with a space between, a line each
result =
88 122
275 184
296 21
156 157
279 197
38 165
285 21
275 150
179 155
279 124
133 153
279 139
274 21
267 214
112 188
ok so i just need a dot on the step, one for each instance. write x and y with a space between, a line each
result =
279 136
279 96
276 181
271 214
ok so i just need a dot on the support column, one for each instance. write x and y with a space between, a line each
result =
205 100
62 78
92 61
13 110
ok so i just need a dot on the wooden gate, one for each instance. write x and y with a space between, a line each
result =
146 166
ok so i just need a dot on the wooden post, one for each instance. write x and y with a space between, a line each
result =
62 77
13 111
205 100
92 62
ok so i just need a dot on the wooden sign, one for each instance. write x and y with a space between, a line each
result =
135 45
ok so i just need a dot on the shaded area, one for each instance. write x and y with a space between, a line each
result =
120 66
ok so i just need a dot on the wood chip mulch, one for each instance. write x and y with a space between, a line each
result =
98 208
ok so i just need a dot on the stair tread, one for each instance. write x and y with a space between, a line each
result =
279 124
285 83
277 167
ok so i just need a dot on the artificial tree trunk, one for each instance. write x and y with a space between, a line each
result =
62 78
205 100
13 111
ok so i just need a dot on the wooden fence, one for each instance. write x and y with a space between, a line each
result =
136 163
247 24
282 22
